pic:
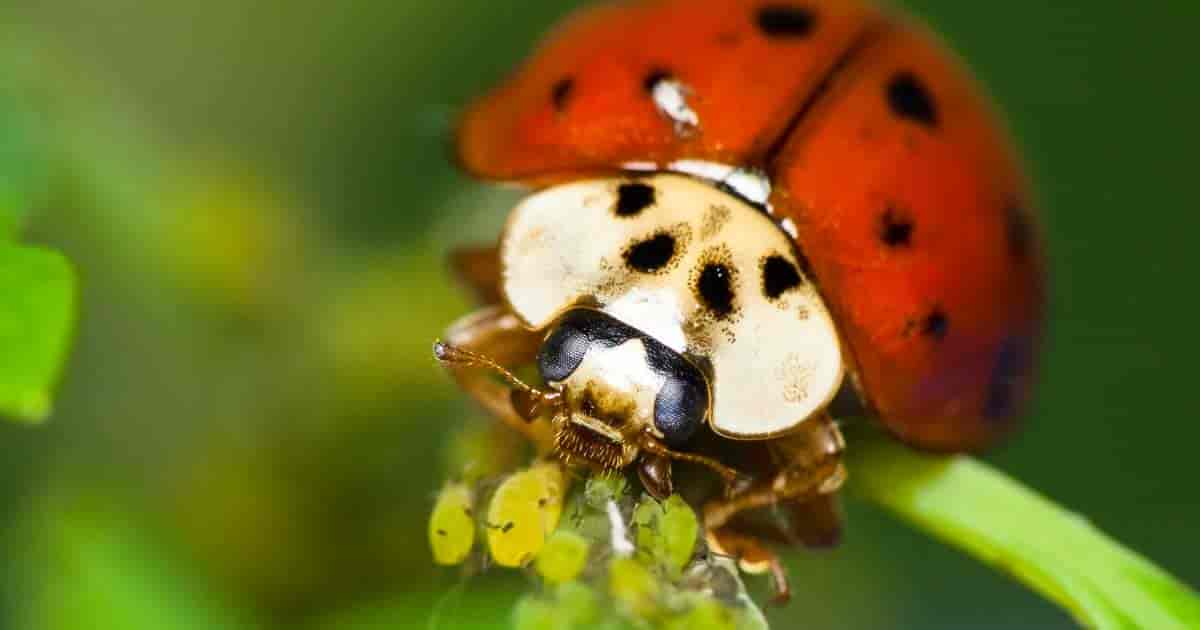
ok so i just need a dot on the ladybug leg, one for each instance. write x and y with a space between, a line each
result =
752 557
817 522
478 269
487 341
808 465
654 448
808 472
655 473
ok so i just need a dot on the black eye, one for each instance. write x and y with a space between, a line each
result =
561 353
680 409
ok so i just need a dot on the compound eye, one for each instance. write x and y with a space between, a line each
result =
561 353
680 409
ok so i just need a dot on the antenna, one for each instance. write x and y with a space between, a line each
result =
454 355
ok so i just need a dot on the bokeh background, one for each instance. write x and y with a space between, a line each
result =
257 197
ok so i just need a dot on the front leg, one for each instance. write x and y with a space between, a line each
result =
491 338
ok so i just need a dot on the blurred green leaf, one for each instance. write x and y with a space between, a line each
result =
84 562
37 310
23 160
1055 552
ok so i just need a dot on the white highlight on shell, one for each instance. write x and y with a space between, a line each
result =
748 183
640 166
789 226
670 96
751 184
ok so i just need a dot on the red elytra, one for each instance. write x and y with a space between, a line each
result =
909 202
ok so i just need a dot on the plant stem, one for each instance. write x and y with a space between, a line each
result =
1055 552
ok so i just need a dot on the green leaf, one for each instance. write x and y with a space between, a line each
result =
24 158
1055 552
37 311
81 563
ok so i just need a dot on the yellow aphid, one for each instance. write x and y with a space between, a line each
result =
523 513
451 527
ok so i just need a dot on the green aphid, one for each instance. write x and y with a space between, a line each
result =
535 613
679 527
707 614
666 533
634 587
577 604
603 488
524 511
646 517
451 526
563 558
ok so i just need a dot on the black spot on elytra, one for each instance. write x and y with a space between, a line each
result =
560 94
936 325
655 76
779 277
781 20
1020 233
1012 360
715 288
652 254
895 230
632 198
909 98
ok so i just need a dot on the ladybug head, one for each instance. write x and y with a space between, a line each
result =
619 387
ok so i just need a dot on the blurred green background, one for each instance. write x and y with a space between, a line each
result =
257 197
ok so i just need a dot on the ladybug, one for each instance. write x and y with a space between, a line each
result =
742 210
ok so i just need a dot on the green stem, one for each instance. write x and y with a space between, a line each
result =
1057 553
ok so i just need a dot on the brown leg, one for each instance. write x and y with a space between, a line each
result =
817 522
653 448
490 338
655 473
752 557
809 467
808 464
478 268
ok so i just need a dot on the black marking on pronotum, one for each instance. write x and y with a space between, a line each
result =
632 198
779 276
1019 231
715 288
908 97
560 94
781 20
561 353
936 325
652 254
895 229
680 406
